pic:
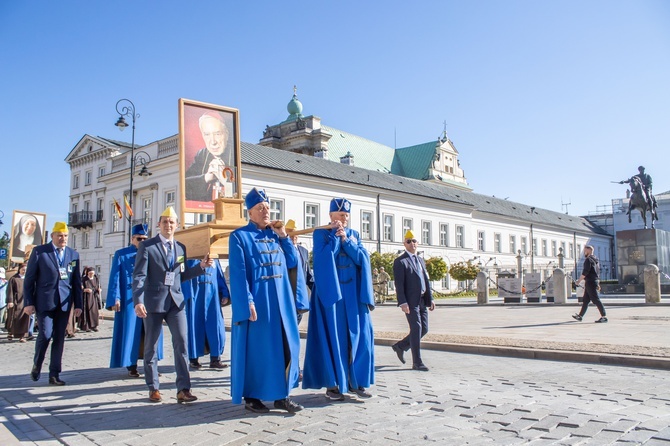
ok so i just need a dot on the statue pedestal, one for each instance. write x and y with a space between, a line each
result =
638 248
212 237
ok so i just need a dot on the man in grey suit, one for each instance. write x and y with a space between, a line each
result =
157 295
414 299
52 286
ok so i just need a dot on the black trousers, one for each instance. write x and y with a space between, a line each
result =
417 318
591 295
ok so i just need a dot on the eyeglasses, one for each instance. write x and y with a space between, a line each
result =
411 240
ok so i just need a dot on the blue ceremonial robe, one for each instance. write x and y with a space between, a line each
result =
265 353
203 294
127 334
340 339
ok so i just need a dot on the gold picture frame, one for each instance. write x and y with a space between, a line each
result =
210 163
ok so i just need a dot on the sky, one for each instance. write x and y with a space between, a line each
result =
547 102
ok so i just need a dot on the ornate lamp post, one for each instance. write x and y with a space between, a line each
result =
127 108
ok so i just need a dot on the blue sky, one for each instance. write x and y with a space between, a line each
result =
546 101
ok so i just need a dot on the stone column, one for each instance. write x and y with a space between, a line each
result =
560 287
482 288
652 284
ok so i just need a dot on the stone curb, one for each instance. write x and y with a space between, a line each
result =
550 355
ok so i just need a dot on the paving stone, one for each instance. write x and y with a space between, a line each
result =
637 435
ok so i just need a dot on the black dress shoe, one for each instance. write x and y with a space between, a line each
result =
217 364
55 381
255 405
420 367
398 351
195 365
288 405
35 373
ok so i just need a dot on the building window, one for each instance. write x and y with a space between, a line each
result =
98 238
204 218
75 182
146 210
101 171
524 246
170 197
366 225
544 247
87 178
512 244
554 252
563 248
571 251
444 234
101 204
497 242
406 225
276 210
73 242
388 228
85 243
445 282
311 215
426 229
87 206
534 246
115 219
480 241
460 236
75 208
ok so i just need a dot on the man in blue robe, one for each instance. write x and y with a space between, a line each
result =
265 338
128 334
340 340
206 333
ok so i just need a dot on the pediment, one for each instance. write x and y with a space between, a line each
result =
93 147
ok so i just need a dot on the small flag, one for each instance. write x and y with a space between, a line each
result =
129 210
117 208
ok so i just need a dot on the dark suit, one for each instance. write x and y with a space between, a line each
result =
163 303
408 290
52 297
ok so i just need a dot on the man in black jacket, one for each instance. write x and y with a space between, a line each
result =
590 276
414 299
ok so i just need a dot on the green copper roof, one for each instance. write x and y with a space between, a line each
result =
367 154
414 161
294 108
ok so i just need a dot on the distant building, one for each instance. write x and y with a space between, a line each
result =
302 165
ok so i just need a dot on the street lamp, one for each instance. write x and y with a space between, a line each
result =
144 159
128 109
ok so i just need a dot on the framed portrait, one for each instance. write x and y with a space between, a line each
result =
209 155
27 231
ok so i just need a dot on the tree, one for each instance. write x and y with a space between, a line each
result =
436 268
383 260
464 272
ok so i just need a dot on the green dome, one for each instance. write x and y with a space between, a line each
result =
294 107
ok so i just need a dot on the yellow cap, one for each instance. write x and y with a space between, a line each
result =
169 212
409 235
290 225
61 227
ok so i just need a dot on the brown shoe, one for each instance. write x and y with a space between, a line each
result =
217 364
155 396
185 396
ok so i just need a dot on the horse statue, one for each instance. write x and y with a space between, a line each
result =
638 200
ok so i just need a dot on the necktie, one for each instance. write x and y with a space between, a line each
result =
417 264
169 254
60 256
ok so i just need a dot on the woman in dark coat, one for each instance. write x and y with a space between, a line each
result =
89 317
20 320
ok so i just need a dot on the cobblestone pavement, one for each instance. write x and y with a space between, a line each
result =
463 399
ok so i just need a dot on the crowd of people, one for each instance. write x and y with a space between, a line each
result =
270 286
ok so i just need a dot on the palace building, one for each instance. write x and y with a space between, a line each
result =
302 164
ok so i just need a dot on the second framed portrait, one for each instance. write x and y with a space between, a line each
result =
209 154
27 231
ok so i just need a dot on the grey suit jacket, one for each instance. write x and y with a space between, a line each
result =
151 264
408 283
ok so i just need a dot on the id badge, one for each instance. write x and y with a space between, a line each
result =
63 273
169 278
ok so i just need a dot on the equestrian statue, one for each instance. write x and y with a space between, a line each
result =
641 197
